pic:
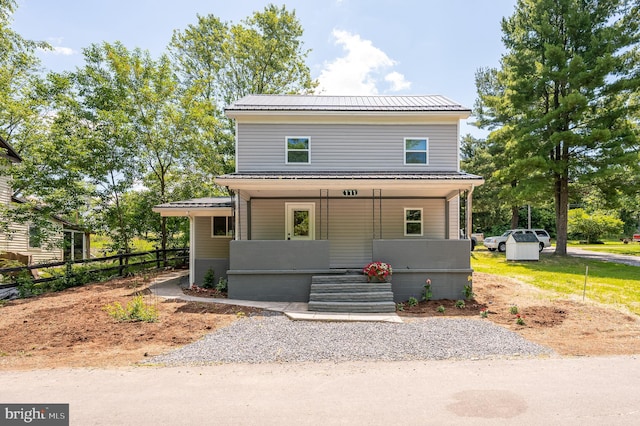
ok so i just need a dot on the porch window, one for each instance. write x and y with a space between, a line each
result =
416 151
298 150
222 226
413 222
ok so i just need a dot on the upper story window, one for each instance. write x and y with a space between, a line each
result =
416 151
413 222
298 150
222 226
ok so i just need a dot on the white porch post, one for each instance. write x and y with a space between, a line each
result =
192 249
468 210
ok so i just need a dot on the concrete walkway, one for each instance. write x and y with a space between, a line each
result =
167 286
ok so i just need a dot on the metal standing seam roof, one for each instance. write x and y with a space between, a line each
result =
198 203
393 175
417 103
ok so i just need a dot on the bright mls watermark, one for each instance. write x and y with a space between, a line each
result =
34 414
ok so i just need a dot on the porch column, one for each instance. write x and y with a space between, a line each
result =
468 215
192 250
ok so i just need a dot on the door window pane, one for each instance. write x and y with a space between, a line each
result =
301 223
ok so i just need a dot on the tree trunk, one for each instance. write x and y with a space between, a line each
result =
562 206
514 217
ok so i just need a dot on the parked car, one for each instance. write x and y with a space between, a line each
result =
500 243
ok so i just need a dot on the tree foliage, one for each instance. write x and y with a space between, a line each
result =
561 103
594 226
219 62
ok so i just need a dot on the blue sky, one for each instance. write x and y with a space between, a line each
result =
358 47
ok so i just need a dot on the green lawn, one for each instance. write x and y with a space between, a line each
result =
616 247
608 283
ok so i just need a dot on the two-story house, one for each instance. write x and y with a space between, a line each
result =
326 184
71 242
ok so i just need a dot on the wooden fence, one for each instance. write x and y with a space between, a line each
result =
123 263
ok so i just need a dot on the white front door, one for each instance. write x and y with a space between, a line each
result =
300 221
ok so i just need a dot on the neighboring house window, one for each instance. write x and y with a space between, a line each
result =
413 222
298 150
222 226
416 151
34 237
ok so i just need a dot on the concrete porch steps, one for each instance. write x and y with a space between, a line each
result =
349 293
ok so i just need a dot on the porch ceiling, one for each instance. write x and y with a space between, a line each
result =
393 184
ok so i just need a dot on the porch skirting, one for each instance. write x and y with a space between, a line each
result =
282 271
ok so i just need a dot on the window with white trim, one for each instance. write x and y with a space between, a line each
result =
416 150
413 222
298 150
222 226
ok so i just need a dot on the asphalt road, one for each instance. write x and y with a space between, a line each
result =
607 257
540 391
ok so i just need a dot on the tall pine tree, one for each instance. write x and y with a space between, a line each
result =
560 102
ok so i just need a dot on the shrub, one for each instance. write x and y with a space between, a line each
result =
136 310
460 304
209 280
593 226
468 292
222 285
441 309
412 301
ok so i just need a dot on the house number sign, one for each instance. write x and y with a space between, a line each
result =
350 192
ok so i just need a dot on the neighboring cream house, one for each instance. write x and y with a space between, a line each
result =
325 184
71 243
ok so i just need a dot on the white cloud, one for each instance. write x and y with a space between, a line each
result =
359 70
56 49
397 81
64 51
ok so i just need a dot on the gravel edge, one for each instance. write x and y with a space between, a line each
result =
273 338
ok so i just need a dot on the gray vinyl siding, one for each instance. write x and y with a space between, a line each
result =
350 233
261 147
351 224
433 221
207 246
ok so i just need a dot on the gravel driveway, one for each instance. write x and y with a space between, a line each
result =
275 338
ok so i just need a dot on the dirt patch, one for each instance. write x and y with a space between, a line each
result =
72 329
570 327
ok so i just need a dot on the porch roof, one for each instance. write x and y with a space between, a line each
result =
398 183
196 207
